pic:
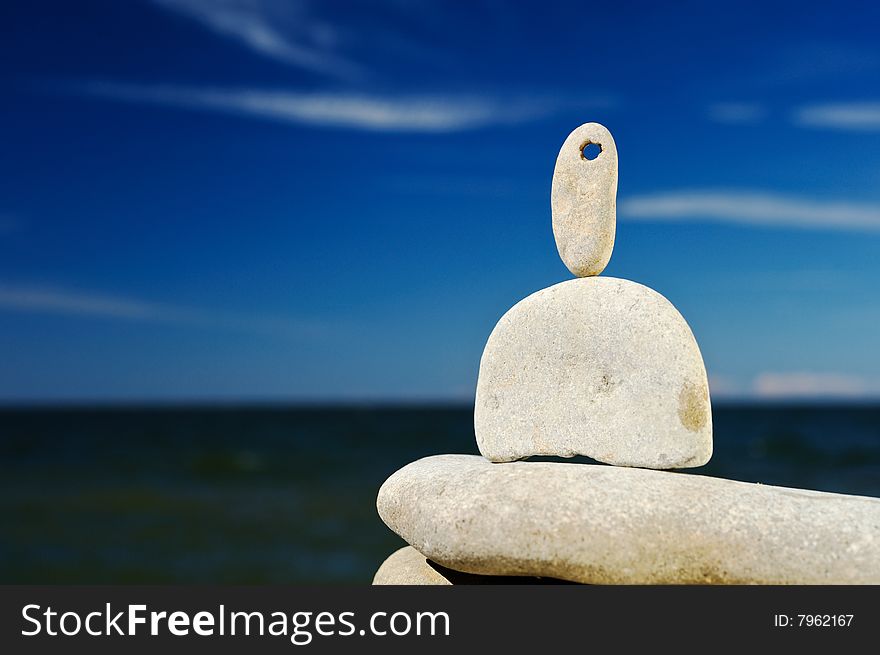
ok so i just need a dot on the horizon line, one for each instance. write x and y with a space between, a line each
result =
111 404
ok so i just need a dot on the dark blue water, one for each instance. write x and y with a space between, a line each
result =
287 495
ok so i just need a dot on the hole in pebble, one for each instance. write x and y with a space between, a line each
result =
591 151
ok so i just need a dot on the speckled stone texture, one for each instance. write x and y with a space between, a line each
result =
603 524
407 566
583 201
599 367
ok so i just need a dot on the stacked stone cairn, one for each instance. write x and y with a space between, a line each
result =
608 369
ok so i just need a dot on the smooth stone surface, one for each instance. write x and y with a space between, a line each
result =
408 566
599 367
605 524
583 201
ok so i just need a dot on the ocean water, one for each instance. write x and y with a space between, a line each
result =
285 495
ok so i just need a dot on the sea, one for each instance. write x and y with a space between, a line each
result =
273 494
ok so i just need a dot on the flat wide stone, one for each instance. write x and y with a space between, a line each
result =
596 366
611 525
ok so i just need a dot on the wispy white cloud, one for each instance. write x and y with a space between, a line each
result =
752 208
723 386
88 304
855 116
795 385
805 384
35 299
284 31
737 113
357 111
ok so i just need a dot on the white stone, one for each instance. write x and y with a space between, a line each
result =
599 367
583 201
407 566
611 525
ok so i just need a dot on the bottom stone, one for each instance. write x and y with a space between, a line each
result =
613 525
408 566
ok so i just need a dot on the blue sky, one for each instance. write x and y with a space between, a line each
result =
328 201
